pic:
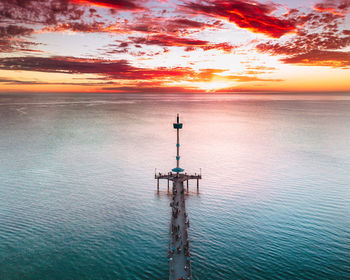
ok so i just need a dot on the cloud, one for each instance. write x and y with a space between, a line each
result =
176 26
250 15
10 31
141 54
116 69
113 4
155 26
144 25
184 26
187 23
23 17
306 43
111 70
333 6
10 38
318 41
17 82
168 40
320 58
247 78
77 27
19 19
7 81
261 68
17 45
48 12
190 43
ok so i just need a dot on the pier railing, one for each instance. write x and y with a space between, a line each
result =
171 176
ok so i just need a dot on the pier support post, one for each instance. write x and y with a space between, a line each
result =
187 185
168 184
158 184
197 185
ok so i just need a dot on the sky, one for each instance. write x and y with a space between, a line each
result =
174 46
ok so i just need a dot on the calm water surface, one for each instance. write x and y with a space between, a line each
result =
78 200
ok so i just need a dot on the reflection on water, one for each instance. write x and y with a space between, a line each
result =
78 196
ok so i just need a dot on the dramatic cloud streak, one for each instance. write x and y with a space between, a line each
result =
189 43
250 15
113 69
320 58
113 4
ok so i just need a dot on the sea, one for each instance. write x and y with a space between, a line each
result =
78 198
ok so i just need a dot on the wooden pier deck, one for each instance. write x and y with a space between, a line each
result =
179 249
179 255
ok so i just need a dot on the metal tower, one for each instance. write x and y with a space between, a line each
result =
177 126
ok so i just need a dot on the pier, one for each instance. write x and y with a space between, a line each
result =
179 255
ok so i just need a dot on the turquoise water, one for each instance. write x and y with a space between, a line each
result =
78 200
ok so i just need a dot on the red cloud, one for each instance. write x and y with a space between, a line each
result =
14 31
22 16
333 6
320 58
182 25
250 15
10 40
161 25
116 69
189 43
318 42
187 23
113 4
77 27
48 12
144 24
305 43
168 40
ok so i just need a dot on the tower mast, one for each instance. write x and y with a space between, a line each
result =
177 126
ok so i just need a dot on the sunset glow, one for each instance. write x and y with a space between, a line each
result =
174 46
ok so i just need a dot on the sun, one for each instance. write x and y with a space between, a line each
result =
214 85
